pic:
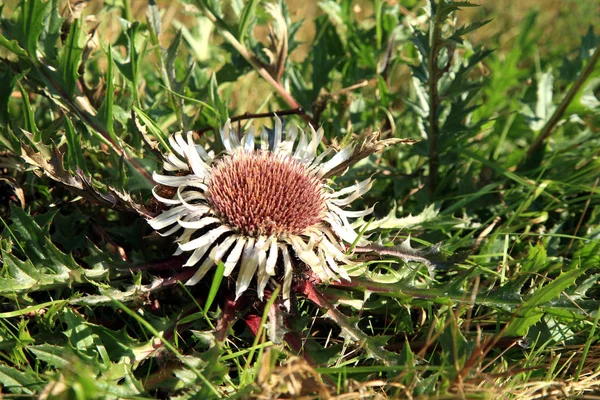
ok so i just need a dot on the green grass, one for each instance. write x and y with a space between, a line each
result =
503 176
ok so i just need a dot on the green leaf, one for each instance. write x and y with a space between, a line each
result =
536 259
153 128
334 12
246 19
13 45
75 157
214 287
29 124
15 381
37 246
154 23
56 356
105 113
457 36
130 66
220 106
52 31
70 57
390 221
31 24
537 116
5 94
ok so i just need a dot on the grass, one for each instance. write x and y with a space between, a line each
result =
484 280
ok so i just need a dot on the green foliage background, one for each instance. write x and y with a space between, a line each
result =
505 175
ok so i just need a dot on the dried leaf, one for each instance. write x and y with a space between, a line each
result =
370 145
50 162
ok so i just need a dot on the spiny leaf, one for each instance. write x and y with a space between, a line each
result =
530 312
392 222
45 267
457 36
369 144
37 247
431 257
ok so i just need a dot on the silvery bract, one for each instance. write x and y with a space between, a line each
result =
255 207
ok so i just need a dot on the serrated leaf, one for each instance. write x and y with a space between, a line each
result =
589 43
579 292
432 257
49 162
536 259
460 84
37 247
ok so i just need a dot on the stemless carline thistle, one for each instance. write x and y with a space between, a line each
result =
259 208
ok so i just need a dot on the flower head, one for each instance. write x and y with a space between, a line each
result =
259 209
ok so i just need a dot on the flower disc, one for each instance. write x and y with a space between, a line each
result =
263 193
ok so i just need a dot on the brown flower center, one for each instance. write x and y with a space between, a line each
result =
262 193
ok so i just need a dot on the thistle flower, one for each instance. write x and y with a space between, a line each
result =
259 209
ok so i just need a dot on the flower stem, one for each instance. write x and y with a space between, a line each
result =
434 102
